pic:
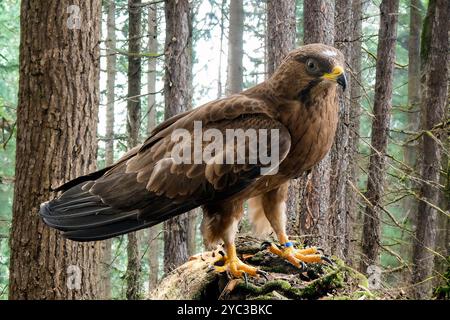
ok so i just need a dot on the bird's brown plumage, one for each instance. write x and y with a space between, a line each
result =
146 186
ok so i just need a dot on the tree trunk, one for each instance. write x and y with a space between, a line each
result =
235 47
110 82
281 31
314 190
410 150
192 222
434 54
192 232
443 233
133 125
151 76
387 36
109 145
339 212
177 99
56 141
318 21
354 123
153 232
222 35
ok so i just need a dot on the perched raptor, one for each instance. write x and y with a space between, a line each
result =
297 109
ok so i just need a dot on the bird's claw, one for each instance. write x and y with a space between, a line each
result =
237 269
297 257
327 260
265 245
264 274
302 266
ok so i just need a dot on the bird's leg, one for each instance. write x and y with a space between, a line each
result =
234 265
274 208
297 257
220 221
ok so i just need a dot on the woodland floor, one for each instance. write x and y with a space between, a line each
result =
197 279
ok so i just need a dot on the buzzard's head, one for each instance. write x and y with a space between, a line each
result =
310 68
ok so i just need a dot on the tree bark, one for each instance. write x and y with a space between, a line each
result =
133 125
110 82
414 88
281 24
153 232
177 99
410 151
192 223
387 36
151 76
192 232
411 148
235 47
56 141
314 189
222 35
109 145
134 73
434 54
318 21
280 31
339 212
354 124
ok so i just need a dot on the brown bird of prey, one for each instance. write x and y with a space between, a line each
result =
297 110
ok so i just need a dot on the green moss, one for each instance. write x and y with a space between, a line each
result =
323 285
314 289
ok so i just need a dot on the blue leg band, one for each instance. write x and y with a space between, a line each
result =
288 244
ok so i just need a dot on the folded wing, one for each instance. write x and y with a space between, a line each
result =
149 185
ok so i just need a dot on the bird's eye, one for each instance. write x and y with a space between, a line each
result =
312 66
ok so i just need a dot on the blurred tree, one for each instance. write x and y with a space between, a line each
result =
434 57
410 149
9 74
133 126
222 35
281 24
153 233
340 213
354 123
109 137
314 189
177 100
380 129
235 48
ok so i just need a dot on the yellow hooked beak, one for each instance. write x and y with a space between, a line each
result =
337 75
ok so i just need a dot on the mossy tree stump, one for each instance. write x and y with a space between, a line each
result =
197 279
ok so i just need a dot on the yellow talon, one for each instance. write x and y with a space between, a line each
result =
310 250
298 257
235 266
309 258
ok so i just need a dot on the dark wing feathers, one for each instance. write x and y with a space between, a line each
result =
146 187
